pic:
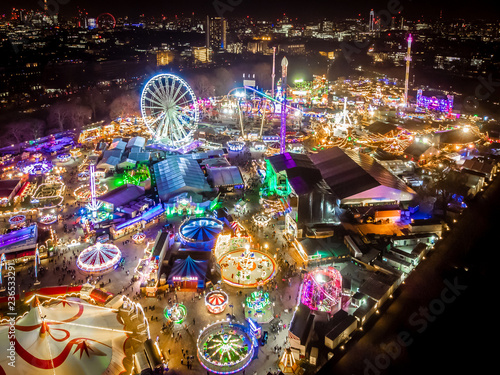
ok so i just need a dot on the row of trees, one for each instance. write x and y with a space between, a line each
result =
96 104
75 114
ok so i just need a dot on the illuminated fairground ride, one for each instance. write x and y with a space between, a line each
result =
394 142
245 268
225 347
177 313
38 168
17 221
99 258
139 237
200 232
83 193
216 301
321 290
258 307
250 102
170 111
48 219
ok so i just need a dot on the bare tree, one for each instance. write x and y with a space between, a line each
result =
78 116
18 132
124 105
95 101
202 86
57 117
224 81
68 116
37 128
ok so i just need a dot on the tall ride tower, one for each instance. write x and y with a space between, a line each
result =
273 75
371 22
407 75
93 205
284 73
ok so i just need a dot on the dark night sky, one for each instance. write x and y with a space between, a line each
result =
270 9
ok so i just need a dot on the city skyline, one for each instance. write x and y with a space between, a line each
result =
410 9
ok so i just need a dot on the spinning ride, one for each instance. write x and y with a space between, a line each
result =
321 290
247 268
177 313
99 258
259 307
83 193
139 237
216 301
48 219
170 110
17 221
200 232
225 347
38 168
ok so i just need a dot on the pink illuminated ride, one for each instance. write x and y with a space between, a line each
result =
321 290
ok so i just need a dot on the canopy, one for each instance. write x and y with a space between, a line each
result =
188 270
99 257
69 336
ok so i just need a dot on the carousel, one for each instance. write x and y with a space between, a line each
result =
200 232
216 301
139 238
99 258
247 268
225 347
48 219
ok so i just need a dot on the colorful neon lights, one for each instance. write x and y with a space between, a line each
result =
216 301
321 289
225 347
99 257
177 313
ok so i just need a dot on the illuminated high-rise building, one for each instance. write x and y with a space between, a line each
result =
216 33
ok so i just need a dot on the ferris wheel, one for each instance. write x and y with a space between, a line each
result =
169 109
106 21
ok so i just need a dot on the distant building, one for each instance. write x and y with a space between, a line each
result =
216 33
164 58
201 54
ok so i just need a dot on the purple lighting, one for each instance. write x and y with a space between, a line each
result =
434 103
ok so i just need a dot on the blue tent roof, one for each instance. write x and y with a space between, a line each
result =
186 268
